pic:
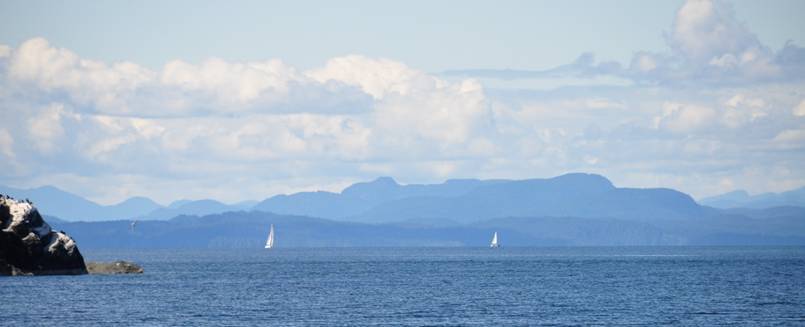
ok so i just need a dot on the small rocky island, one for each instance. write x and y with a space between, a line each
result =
28 246
112 268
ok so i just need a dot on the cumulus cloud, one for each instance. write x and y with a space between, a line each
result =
682 118
35 64
232 84
706 36
740 110
179 89
707 44
704 30
46 128
377 77
188 119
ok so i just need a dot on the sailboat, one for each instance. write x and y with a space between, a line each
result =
270 240
494 243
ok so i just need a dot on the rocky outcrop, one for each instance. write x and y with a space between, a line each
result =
117 267
28 246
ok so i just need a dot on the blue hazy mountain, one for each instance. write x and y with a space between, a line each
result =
742 199
134 207
572 209
178 203
360 197
571 195
249 230
452 203
65 205
197 208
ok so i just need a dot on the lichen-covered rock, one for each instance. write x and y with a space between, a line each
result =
117 267
28 246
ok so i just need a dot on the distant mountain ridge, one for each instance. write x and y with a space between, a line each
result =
64 205
575 194
571 209
383 200
360 197
742 199
195 208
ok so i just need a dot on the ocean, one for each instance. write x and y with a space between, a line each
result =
423 286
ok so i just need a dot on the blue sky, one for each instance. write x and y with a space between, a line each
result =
244 100
428 35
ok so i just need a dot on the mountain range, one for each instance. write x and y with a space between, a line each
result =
67 206
571 209
383 200
742 199
55 202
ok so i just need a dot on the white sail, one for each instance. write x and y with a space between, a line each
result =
270 240
494 243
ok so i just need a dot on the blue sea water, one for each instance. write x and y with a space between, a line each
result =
424 286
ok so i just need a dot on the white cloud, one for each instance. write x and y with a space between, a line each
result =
87 82
448 115
684 118
799 110
234 85
706 29
46 128
377 77
412 107
179 89
412 112
741 110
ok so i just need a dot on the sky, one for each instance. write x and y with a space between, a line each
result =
244 100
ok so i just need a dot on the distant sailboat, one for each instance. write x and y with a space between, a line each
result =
494 243
133 224
270 240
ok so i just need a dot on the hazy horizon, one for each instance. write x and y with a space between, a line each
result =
169 202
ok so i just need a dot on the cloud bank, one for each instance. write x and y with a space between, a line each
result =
717 111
